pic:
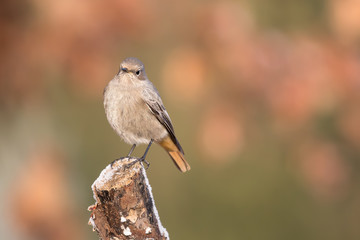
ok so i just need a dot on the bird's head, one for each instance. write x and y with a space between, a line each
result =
133 68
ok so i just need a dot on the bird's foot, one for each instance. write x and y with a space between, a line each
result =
143 160
136 160
120 159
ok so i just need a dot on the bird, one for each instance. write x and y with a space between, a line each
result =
135 111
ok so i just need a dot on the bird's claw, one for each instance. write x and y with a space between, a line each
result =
119 159
143 160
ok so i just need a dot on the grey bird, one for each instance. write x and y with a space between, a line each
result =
136 112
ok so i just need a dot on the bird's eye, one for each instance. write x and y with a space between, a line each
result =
137 72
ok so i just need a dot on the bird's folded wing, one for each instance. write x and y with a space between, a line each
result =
153 101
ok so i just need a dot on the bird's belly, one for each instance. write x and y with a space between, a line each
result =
132 120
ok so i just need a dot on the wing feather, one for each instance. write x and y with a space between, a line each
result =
153 101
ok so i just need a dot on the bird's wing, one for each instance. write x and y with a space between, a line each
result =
154 102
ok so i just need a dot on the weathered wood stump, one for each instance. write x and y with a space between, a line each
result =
124 207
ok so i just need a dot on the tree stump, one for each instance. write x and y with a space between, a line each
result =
124 207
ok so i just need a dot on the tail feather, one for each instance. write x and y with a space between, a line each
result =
179 161
176 153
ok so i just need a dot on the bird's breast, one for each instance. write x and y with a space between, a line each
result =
119 104
130 117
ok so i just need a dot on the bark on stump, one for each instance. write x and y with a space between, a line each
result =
124 207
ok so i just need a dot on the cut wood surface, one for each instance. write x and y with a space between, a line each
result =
124 207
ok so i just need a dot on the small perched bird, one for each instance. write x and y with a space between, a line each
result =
136 112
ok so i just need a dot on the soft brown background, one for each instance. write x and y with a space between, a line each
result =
264 96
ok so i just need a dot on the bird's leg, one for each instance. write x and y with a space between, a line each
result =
142 159
131 150
128 156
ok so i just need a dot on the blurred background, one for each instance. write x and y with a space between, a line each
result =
264 96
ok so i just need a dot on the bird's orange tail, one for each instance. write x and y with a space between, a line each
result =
180 161
176 155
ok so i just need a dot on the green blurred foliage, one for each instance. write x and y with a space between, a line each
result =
291 15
